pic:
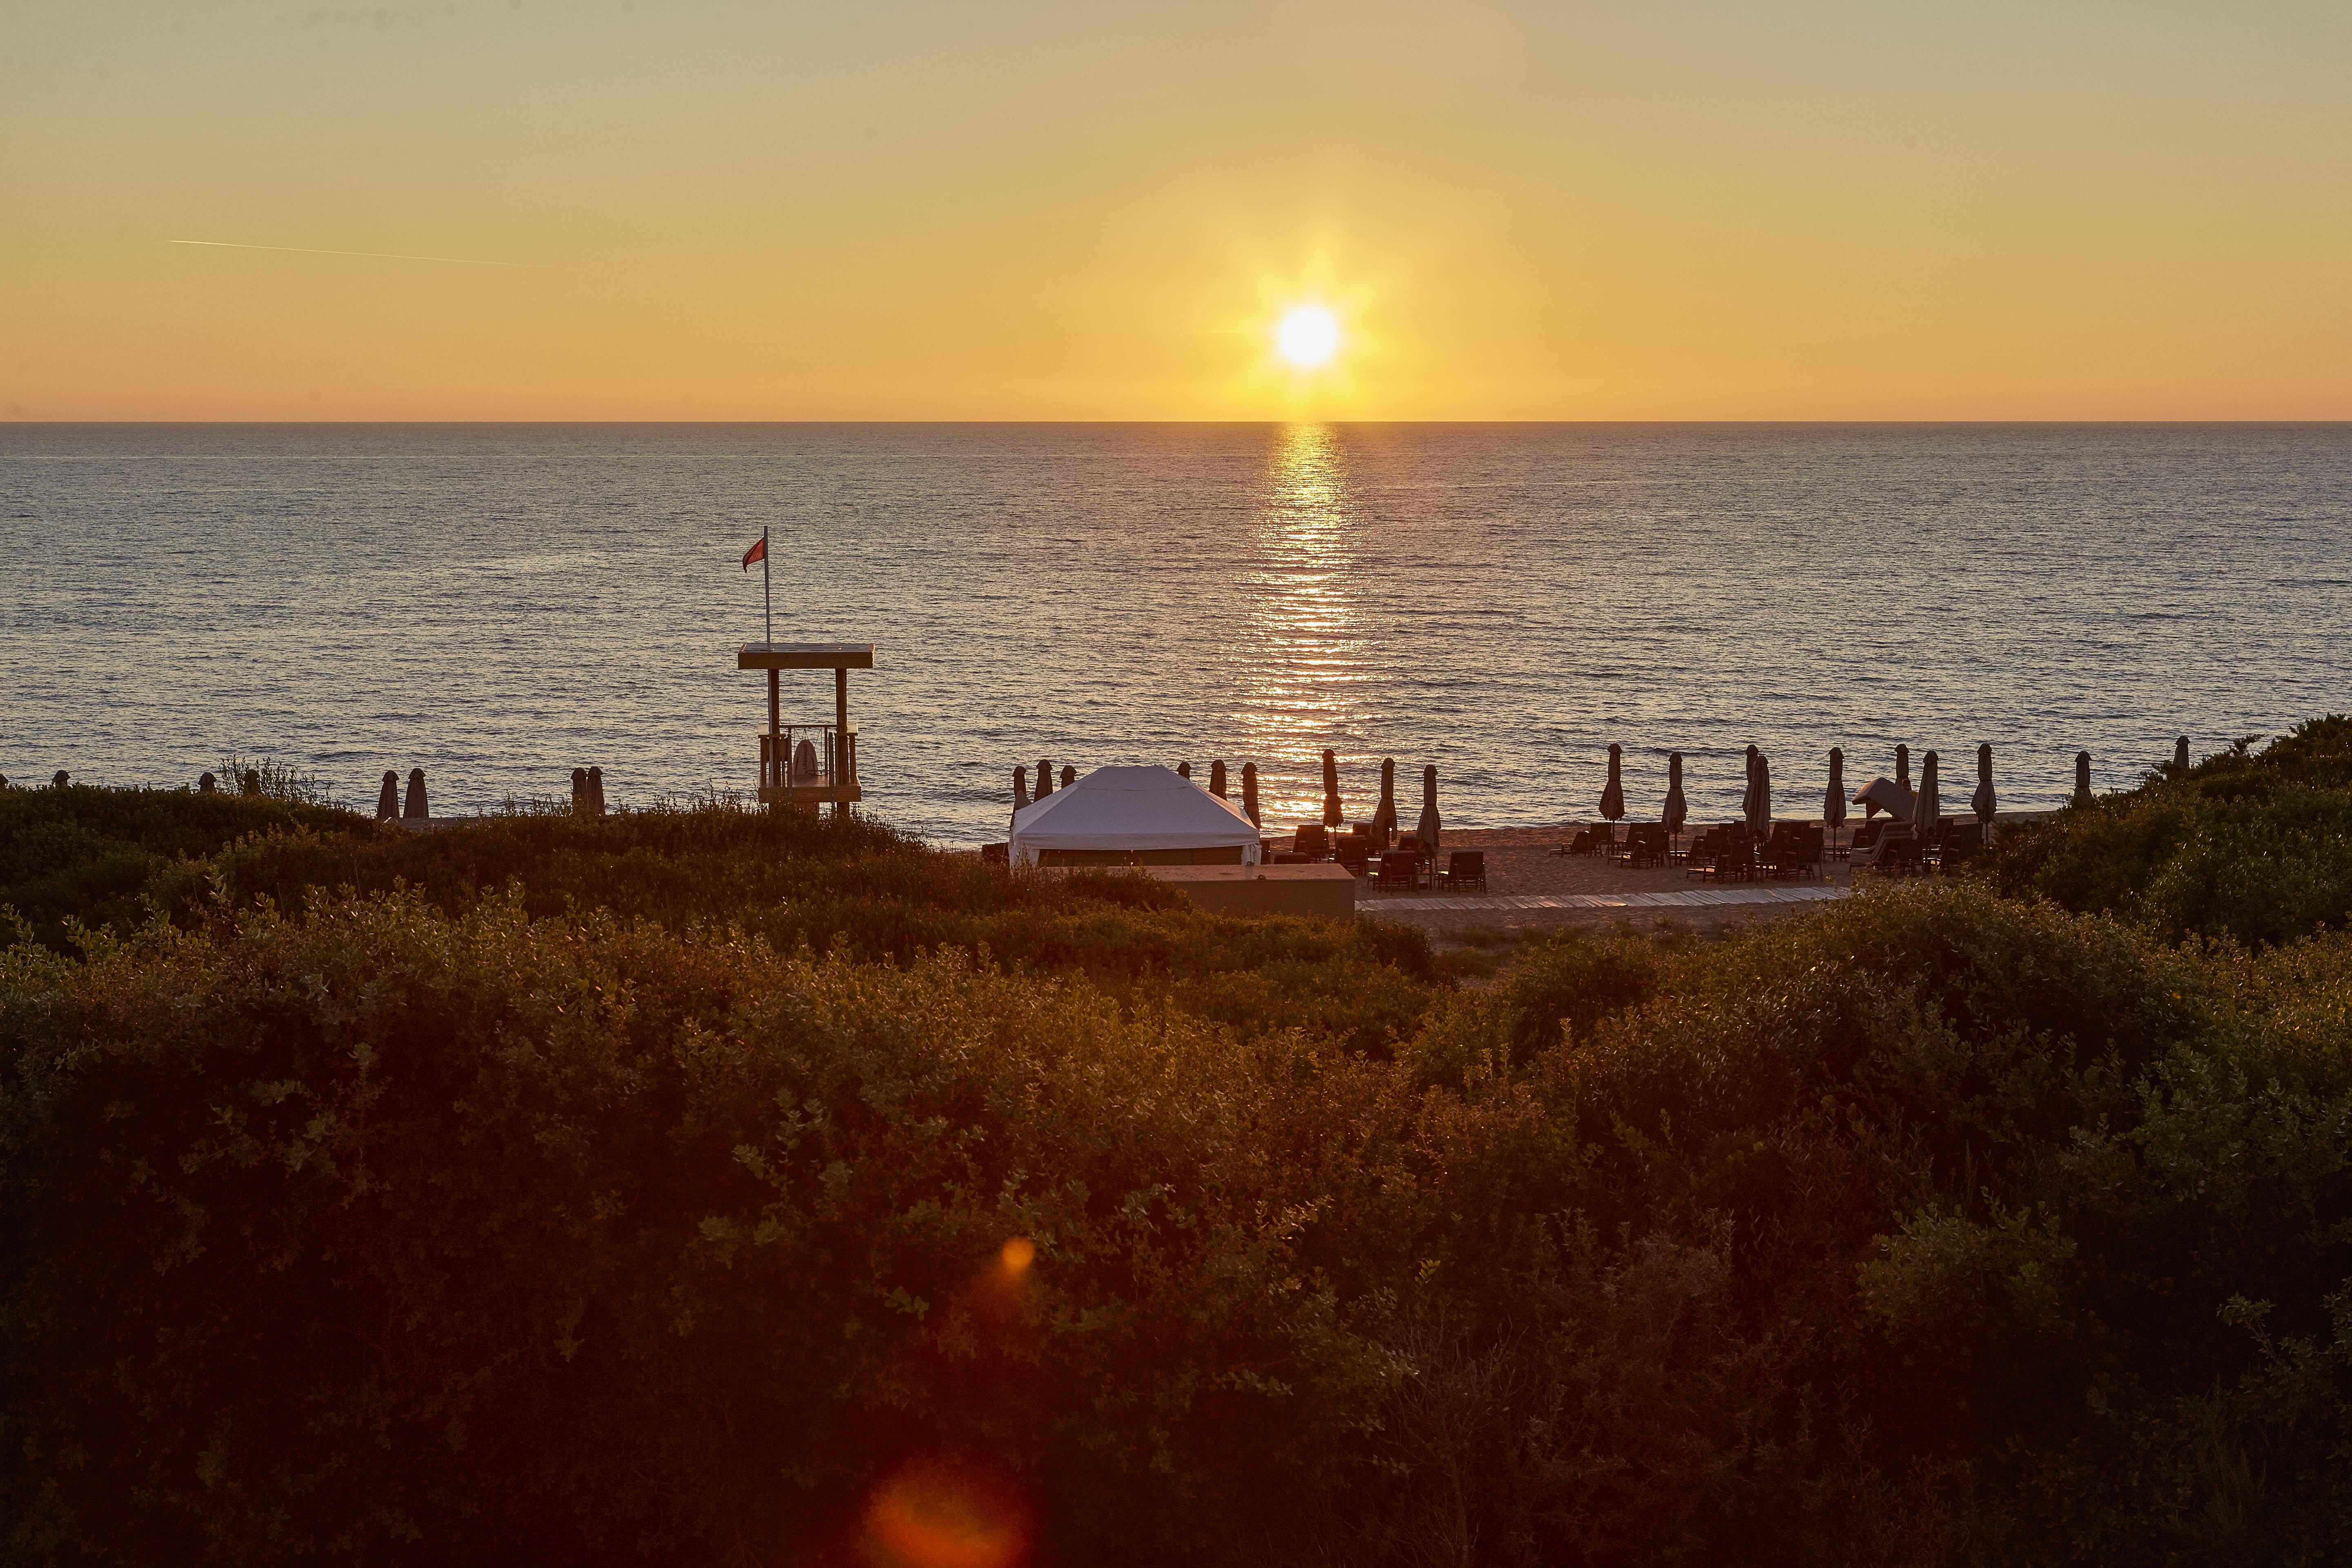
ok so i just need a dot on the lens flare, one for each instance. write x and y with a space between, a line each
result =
936 1513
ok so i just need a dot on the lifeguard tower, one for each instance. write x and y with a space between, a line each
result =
808 764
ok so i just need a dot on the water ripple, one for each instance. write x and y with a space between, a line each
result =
499 604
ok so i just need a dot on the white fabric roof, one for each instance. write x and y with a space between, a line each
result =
1131 809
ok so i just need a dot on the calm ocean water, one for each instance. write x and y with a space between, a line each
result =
499 604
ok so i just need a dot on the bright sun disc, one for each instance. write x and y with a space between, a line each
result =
1309 336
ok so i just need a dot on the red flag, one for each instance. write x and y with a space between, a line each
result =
757 552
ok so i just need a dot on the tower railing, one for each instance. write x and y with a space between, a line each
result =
810 763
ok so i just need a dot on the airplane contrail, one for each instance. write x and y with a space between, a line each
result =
376 255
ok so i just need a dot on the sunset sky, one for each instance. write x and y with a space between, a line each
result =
719 209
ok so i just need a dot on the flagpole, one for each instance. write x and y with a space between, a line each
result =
767 594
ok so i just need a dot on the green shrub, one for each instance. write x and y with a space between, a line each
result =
107 857
639 1190
563 1238
2257 846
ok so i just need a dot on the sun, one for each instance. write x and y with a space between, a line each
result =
1308 337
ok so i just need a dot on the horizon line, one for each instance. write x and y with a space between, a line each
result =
2256 420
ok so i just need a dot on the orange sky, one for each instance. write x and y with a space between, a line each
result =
890 210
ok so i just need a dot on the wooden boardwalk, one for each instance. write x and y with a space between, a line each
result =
1500 903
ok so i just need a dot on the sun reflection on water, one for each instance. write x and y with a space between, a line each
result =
1306 659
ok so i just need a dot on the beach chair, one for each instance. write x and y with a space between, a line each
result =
1734 860
1646 844
1793 853
1705 845
1311 840
1400 871
1465 871
1354 852
1702 852
1893 851
1582 844
996 854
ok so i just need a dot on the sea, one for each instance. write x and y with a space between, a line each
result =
499 603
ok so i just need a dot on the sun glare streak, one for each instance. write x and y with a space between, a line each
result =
1307 649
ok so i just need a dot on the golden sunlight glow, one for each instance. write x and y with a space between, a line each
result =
1309 336
1402 210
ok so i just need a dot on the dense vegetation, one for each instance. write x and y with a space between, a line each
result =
2252 845
694 1185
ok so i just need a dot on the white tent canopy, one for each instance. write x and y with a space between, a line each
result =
1142 815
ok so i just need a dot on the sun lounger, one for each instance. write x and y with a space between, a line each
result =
1734 860
1794 853
1702 852
1400 871
1894 852
1311 839
1466 871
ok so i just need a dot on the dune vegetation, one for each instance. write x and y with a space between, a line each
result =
696 1186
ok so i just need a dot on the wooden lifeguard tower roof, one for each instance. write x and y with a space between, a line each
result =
804 655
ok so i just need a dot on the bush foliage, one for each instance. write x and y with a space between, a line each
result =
2246 844
677 1187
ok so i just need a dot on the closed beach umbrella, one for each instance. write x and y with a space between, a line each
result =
1677 810
1044 778
1217 778
1759 797
1184 770
1833 799
2081 778
1384 820
596 791
1747 793
387 800
2181 754
206 784
1903 767
1020 788
1984 802
416 806
1924 809
1249 793
1069 775
1426 836
1612 794
1333 815
579 792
